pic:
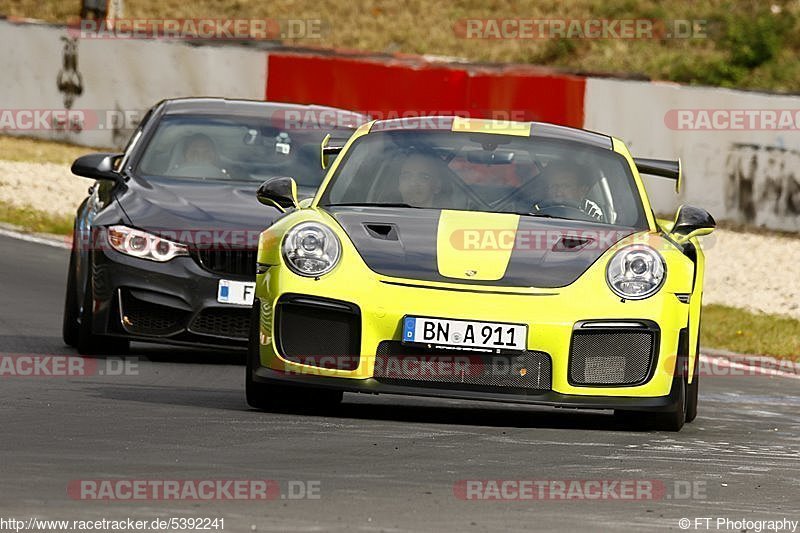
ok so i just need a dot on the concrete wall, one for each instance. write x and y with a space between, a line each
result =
750 177
116 76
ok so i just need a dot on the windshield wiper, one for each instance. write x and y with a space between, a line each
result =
372 204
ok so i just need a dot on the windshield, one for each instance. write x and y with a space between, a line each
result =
236 148
487 172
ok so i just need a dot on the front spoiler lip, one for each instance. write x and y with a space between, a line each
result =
546 398
186 340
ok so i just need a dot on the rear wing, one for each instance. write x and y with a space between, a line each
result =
326 150
662 168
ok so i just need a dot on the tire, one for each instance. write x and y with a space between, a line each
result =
70 325
280 398
89 343
671 420
693 391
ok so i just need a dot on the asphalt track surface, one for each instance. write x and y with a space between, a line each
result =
379 463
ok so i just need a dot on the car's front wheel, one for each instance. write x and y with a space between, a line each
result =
275 397
70 325
693 390
671 420
89 343
674 419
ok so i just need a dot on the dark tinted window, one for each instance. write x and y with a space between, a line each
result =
488 172
235 148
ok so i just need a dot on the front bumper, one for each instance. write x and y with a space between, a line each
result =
173 302
553 318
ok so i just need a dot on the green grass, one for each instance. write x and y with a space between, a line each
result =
749 43
740 331
36 221
29 150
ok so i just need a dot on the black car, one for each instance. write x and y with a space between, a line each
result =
164 246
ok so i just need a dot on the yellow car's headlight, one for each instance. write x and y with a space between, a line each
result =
636 272
311 249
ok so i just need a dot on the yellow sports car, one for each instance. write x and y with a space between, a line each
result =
474 259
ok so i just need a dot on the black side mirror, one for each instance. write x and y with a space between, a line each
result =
278 192
692 222
98 167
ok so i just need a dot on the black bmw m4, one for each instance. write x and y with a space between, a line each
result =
164 245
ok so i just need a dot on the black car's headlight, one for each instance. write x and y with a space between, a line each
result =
636 272
311 249
144 245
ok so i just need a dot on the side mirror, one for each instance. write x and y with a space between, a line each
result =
278 192
692 222
98 167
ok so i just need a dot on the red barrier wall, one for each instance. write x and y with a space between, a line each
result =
388 88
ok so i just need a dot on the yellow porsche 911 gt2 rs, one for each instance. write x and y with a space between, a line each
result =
473 259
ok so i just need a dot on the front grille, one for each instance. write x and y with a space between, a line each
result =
620 357
230 262
146 318
317 332
232 323
522 372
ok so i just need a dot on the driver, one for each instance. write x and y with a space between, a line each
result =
564 184
419 181
200 158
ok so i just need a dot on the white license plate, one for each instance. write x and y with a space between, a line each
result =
236 292
464 333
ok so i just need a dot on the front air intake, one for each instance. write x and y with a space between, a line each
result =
318 332
612 353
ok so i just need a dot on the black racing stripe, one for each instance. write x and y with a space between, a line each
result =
413 254
535 262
